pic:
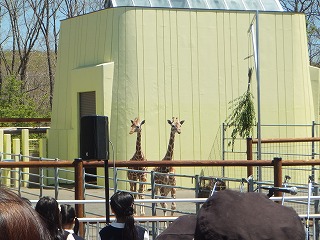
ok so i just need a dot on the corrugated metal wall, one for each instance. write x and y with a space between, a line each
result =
185 63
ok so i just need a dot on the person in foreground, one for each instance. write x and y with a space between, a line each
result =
231 215
18 220
48 209
123 228
70 223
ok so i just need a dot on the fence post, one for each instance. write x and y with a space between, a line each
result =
1 140
197 189
115 180
1 152
20 176
313 150
56 181
250 184
43 153
16 152
79 192
154 210
223 146
316 211
6 174
249 157
25 152
106 190
41 182
277 170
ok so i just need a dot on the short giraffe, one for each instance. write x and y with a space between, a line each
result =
140 176
167 178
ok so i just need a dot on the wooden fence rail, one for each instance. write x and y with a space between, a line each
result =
19 120
79 164
176 163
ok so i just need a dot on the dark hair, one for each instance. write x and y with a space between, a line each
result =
122 205
48 208
14 211
68 215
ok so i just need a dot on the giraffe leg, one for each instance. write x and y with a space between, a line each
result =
132 186
164 206
133 190
173 205
156 194
141 193
156 188
164 192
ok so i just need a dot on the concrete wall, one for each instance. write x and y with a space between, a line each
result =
315 83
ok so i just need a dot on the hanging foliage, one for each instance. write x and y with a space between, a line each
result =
242 118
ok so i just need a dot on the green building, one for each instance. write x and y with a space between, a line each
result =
186 59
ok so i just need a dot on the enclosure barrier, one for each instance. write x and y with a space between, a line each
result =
294 148
149 221
79 164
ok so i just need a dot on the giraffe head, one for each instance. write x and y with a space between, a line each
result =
175 125
136 125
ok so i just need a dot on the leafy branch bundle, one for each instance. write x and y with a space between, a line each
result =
242 117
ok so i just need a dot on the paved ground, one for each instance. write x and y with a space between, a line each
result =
98 209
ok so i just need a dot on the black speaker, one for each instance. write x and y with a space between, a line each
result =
94 138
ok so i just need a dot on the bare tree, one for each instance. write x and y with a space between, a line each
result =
7 42
29 27
3 38
24 27
19 34
48 25
311 9
72 8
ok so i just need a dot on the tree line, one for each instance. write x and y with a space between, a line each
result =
29 36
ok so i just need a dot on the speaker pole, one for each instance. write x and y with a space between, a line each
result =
106 187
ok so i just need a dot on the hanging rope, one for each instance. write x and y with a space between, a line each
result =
249 78
242 118
250 55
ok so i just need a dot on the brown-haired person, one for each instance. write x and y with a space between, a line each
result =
70 223
123 228
18 220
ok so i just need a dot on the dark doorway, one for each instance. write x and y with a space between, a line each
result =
87 104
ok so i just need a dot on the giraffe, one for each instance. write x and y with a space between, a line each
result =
167 178
138 156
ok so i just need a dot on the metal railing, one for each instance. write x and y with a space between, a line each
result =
286 148
77 169
155 224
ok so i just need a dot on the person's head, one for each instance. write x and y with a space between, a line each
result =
18 220
232 215
122 206
68 217
48 208
236 215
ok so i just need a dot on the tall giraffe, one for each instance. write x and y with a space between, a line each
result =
138 156
166 177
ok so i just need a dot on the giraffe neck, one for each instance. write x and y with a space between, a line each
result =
138 154
169 153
